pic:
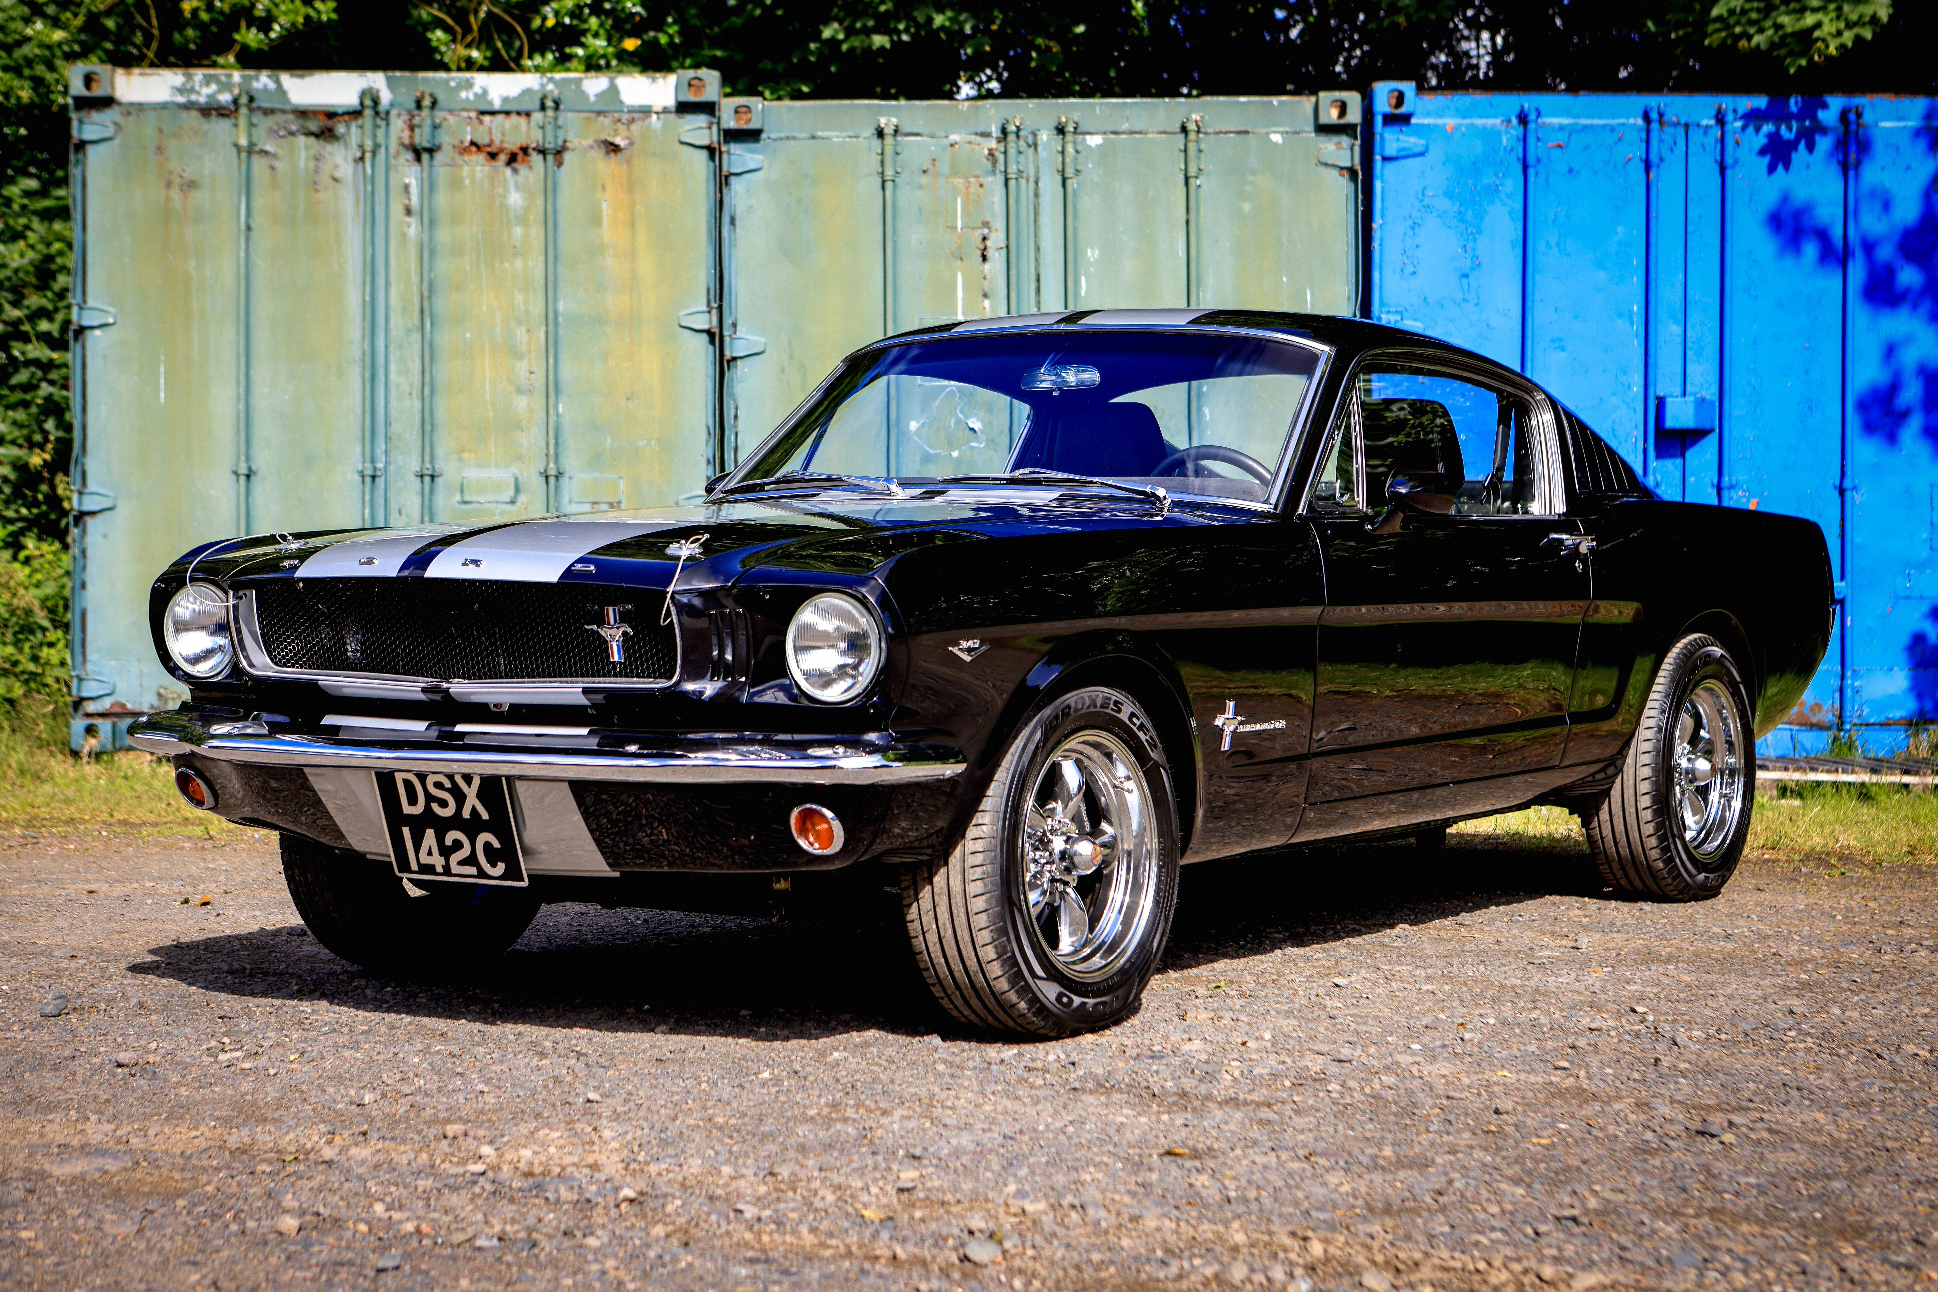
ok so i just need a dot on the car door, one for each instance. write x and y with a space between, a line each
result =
1447 645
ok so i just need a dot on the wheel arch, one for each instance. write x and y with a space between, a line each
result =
1140 670
1726 628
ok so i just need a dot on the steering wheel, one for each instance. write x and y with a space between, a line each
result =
1197 453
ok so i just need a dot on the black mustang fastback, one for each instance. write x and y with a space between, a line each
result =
1018 614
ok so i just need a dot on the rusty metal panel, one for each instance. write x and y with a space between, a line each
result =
865 218
308 301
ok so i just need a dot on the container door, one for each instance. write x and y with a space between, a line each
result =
846 222
315 301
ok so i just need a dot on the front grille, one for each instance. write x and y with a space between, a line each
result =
463 629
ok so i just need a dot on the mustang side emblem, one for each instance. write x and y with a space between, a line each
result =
1232 723
615 634
968 650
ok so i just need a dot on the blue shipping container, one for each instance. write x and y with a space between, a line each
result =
1741 293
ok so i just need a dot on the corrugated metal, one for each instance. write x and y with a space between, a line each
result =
1741 293
845 221
345 299
366 298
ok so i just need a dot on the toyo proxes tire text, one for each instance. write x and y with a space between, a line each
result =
1049 915
360 910
1673 825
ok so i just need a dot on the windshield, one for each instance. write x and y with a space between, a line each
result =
1194 413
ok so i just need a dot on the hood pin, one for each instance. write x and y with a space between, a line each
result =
685 549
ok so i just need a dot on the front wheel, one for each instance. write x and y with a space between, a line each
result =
360 910
1049 916
1673 825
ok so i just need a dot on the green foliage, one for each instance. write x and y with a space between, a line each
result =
1798 32
33 626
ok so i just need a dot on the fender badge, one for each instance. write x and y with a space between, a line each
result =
968 650
1233 723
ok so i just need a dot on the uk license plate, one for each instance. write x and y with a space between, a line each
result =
450 825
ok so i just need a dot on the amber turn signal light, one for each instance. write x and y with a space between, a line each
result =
198 792
817 829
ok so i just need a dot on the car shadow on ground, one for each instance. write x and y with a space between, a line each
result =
631 971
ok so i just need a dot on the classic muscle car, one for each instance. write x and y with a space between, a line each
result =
1016 614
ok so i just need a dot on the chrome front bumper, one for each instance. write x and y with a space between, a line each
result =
863 760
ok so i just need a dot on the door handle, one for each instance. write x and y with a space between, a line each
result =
1579 544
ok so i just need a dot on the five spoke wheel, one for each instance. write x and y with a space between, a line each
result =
1707 763
1089 866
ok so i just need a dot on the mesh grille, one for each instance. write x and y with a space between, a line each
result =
467 629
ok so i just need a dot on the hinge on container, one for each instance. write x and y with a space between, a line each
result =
739 163
551 137
94 132
700 320
87 316
89 501
1392 147
698 136
742 346
92 688
1343 155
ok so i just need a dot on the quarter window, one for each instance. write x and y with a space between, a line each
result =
1418 421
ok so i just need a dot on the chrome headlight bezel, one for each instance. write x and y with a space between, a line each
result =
824 669
199 630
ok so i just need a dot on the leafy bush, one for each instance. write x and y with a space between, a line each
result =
33 626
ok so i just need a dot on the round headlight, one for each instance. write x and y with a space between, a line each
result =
834 647
196 630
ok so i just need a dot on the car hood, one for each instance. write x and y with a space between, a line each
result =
838 531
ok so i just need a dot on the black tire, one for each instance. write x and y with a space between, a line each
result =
981 946
1639 832
360 910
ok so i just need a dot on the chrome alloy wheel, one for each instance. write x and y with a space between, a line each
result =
1090 855
1708 766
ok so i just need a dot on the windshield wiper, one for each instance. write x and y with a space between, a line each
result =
880 483
1043 475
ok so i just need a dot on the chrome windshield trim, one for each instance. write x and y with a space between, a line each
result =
570 690
175 732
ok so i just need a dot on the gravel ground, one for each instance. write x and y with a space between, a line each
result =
1382 1068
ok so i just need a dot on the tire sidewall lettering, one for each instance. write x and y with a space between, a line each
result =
1104 1001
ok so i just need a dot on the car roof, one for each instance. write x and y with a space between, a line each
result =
1329 329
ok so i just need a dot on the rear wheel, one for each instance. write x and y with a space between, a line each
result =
1050 914
1673 825
360 910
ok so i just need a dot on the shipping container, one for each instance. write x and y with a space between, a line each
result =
326 300
1740 292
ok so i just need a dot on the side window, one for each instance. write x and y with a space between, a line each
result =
1479 441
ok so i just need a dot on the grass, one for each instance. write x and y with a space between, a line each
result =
1870 823
45 787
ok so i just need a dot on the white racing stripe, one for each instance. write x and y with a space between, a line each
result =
1009 323
540 551
376 556
1141 318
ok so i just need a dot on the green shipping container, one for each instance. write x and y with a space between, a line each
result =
329 300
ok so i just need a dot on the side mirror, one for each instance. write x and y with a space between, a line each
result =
1421 492
1433 494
